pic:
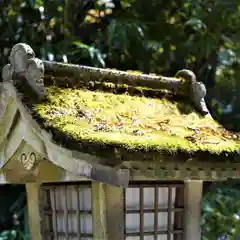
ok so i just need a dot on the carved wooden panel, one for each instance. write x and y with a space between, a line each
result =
28 160
21 165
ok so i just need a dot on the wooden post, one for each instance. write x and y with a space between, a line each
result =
99 211
34 217
192 205
115 212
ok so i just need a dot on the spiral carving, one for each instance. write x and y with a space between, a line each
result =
28 160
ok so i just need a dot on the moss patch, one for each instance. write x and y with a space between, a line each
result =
132 122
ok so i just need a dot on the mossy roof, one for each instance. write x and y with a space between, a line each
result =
133 118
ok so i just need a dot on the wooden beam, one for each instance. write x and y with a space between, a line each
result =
99 211
115 212
192 206
34 217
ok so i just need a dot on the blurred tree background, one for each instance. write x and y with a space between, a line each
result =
154 36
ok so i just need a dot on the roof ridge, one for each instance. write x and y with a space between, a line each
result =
24 66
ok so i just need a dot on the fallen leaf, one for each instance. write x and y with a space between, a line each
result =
191 138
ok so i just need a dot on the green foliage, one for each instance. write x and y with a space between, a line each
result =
221 211
226 98
13 214
124 34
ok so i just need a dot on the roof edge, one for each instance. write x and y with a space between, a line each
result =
96 168
77 163
24 66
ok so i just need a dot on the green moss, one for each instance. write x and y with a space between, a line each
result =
132 122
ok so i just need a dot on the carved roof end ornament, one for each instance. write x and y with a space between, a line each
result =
24 66
198 90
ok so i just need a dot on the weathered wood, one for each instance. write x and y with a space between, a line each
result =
115 212
2 176
34 216
18 126
9 118
192 208
183 170
86 165
46 171
196 91
110 175
5 98
77 73
99 211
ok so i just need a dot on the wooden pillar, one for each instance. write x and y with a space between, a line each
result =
99 211
34 217
115 212
192 205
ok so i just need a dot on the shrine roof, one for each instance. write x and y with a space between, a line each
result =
135 118
90 109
